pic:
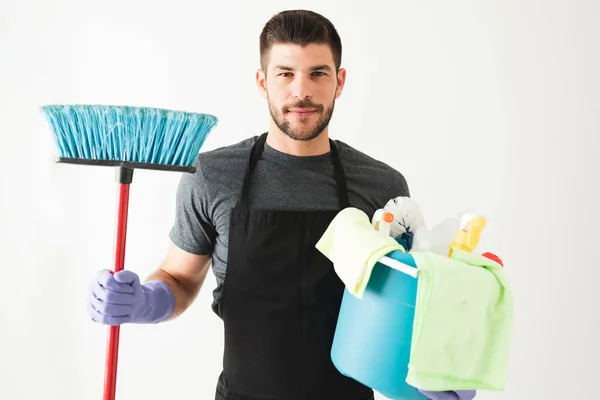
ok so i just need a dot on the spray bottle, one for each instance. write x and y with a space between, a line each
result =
467 237
382 221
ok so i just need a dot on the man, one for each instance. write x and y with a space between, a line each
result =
254 210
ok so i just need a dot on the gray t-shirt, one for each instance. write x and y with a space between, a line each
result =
280 181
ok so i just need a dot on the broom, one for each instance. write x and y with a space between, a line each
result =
127 138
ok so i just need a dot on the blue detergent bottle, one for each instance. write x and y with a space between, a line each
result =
373 336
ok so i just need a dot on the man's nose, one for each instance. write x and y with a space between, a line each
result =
301 87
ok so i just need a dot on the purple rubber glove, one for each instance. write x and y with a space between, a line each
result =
121 298
450 395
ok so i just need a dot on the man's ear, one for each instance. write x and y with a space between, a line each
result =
261 82
341 80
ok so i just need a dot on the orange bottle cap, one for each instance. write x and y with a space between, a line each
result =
387 217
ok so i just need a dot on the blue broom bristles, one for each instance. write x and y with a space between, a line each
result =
126 133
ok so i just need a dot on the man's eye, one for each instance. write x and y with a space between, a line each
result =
319 73
286 74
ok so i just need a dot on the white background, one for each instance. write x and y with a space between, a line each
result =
487 103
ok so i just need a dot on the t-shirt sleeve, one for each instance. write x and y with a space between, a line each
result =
193 230
400 186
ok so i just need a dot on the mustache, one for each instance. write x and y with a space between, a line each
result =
304 104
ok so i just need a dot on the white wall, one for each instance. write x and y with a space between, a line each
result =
493 103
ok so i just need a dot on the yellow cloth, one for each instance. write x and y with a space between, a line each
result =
463 320
354 247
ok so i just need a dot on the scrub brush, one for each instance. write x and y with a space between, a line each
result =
408 223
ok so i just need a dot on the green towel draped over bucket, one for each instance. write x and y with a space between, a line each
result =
463 321
354 247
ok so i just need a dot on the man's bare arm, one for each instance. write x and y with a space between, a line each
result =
184 273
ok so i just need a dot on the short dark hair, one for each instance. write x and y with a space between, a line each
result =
300 27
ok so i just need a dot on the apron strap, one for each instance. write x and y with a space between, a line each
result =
340 177
257 149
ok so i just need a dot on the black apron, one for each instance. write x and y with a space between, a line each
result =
280 303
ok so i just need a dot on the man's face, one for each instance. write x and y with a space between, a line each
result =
301 86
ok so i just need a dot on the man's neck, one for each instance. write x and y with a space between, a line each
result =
285 144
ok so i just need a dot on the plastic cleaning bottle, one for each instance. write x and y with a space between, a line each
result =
376 218
422 240
382 221
467 237
386 221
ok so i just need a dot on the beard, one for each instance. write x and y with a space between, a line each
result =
304 131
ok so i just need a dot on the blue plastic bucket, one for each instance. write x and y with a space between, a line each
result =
373 336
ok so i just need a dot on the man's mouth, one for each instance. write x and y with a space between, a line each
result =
302 112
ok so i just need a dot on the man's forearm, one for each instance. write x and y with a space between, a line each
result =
184 292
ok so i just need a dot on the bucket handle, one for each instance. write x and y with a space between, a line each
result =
400 266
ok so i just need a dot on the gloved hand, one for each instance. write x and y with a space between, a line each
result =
450 394
121 298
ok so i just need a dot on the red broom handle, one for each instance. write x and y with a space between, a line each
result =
112 351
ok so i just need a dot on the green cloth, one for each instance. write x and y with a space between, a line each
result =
354 247
463 322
